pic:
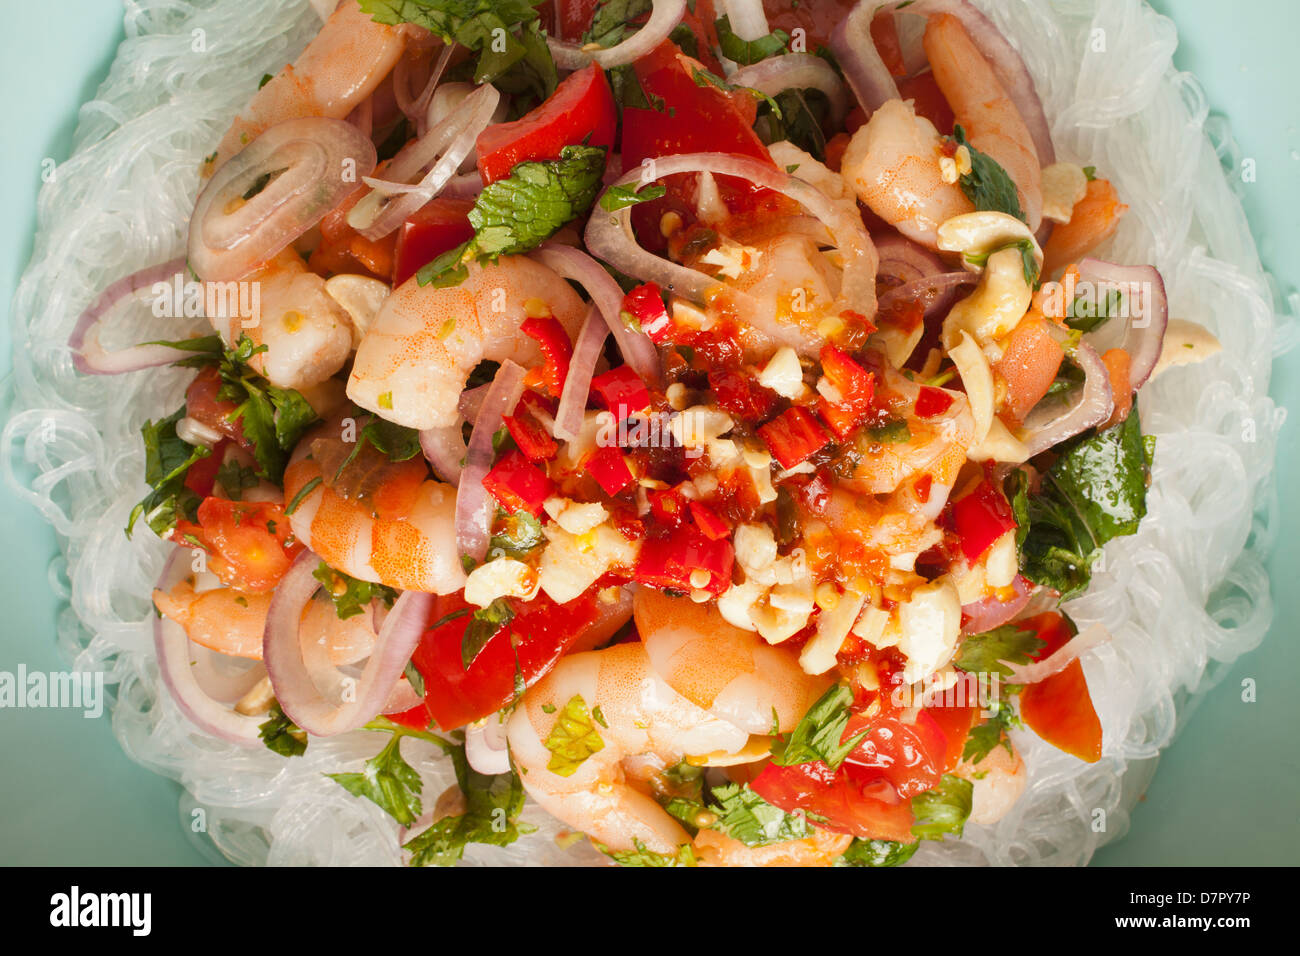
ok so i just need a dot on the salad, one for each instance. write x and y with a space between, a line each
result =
688 417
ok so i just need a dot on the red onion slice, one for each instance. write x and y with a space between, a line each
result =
1090 637
935 292
319 162
90 358
905 260
747 19
444 449
855 51
1140 333
485 747
795 71
1051 426
986 614
176 666
582 366
664 15
473 504
636 347
610 237
442 149
416 109
290 664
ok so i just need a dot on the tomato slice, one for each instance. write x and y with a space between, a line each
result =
980 518
544 632
956 724
1059 709
251 542
910 756
441 225
580 110
852 800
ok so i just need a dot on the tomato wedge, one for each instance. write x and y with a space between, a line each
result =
544 632
852 800
251 542
1059 708
438 227
581 110
910 756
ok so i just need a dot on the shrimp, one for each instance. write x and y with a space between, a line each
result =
733 674
414 360
935 445
981 106
823 848
307 333
639 714
393 525
336 72
231 622
892 164
999 780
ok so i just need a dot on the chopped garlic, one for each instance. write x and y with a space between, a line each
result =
572 563
929 625
575 517
818 655
1001 563
783 374
731 258
501 577
699 424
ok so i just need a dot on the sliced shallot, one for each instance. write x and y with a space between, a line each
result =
664 16
473 503
90 358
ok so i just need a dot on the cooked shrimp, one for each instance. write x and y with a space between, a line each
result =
732 674
892 164
307 334
424 343
820 849
395 526
639 714
999 780
231 622
981 106
336 72
934 445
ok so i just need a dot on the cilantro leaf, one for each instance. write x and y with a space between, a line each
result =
643 856
1095 491
236 478
613 21
983 653
167 459
943 809
993 732
619 197
387 781
492 807
745 816
484 625
520 535
746 52
350 595
1085 313
573 738
877 853
818 734
987 184
281 734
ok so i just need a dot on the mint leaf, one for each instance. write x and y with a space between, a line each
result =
746 52
987 184
613 21
877 853
745 816
619 197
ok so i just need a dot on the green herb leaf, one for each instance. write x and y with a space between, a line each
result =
877 853
350 595
643 856
745 816
746 52
1095 491
892 432
818 734
518 536
167 459
1085 313
619 197
613 21
942 810
387 781
281 734
982 653
573 738
484 625
987 184
236 478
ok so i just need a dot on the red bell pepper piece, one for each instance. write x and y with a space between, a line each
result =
794 436
932 402
668 507
645 304
438 227
518 484
980 518
1060 710
607 466
621 391
857 388
707 520
528 433
669 561
556 349
580 110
